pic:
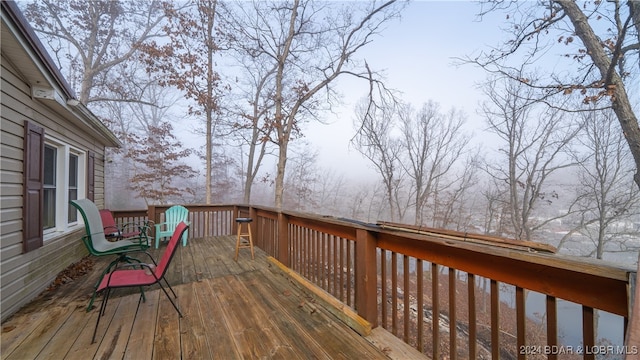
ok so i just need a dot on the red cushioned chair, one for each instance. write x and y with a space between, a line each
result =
139 275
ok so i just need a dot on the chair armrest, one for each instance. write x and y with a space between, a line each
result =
112 231
145 228
158 225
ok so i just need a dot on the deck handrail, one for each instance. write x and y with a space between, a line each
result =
371 268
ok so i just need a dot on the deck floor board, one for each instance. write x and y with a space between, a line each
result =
231 310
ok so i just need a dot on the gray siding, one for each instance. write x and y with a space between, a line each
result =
24 276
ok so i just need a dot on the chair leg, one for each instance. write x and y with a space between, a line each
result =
93 298
170 288
103 306
122 257
175 306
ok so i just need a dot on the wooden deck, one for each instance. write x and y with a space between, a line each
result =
244 310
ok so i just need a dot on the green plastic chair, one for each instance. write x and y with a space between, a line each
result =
173 216
96 242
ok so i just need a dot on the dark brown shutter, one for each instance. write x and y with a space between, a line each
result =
33 177
91 171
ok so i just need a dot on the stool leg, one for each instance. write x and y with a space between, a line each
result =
238 242
251 241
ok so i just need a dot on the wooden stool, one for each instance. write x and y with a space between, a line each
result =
239 242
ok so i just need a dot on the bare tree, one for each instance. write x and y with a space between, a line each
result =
608 201
127 119
302 180
255 130
495 200
534 140
253 104
373 139
454 204
92 38
310 44
432 143
366 202
605 66
332 192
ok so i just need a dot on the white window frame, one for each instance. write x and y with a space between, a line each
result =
62 224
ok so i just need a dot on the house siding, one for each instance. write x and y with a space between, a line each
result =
25 275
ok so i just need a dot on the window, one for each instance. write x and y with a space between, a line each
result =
64 180
54 174
73 187
49 187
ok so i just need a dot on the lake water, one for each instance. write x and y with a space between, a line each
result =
569 314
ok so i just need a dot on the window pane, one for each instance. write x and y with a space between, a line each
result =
73 213
73 187
50 165
49 216
73 171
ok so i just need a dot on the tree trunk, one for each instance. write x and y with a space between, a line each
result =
249 175
282 163
283 124
612 81
210 107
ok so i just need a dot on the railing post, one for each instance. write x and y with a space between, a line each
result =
366 279
236 214
254 224
283 239
151 216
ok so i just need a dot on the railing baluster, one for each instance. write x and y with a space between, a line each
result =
300 247
383 278
305 258
349 282
336 265
471 295
312 252
435 310
552 325
521 318
323 262
453 331
495 320
320 259
420 304
407 296
296 256
341 257
307 249
314 256
394 293
588 331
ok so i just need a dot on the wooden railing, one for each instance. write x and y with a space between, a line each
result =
444 293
